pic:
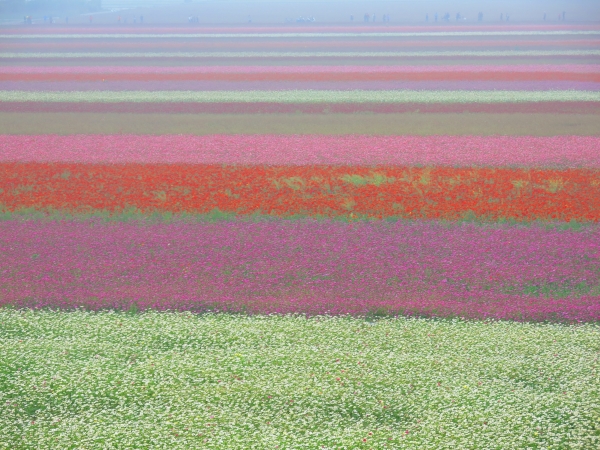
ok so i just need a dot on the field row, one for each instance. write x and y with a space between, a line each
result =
302 96
331 191
294 44
298 150
225 85
302 76
10 72
111 56
521 108
158 119
304 34
304 266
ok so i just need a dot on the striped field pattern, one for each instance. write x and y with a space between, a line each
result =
492 144
300 237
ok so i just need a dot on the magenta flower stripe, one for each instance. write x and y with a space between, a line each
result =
510 151
269 69
306 266
216 85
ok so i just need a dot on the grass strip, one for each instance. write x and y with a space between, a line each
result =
427 124
302 108
136 216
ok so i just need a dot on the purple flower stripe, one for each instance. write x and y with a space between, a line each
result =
425 268
566 68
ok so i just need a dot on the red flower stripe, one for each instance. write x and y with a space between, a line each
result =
425 193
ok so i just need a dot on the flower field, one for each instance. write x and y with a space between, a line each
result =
269 237
589 109
161 380
411 268
324 191
555 152
304 96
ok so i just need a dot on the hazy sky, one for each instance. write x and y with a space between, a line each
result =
339 11
400 10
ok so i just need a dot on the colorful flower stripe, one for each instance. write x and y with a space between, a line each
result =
299 43
304 108
305 267
299 54
310 76
282 191
297 96
304 150
220 85
533 77
445 70
305 34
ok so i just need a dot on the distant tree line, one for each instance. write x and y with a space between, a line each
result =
40 5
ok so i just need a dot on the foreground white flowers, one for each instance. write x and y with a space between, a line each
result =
166 380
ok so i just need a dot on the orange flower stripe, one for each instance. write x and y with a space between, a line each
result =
331 191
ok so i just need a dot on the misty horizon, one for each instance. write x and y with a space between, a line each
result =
297 12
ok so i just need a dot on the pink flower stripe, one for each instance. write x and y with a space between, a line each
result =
216 85
566 68
298 43
498 151
522 273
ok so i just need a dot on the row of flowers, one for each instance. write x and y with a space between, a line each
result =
526 273
560 107
300 43
420 70
56 84
308 33
228 382
303 96
305 54
275 76
329 191
299 150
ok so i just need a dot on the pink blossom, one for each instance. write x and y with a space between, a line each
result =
509 151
